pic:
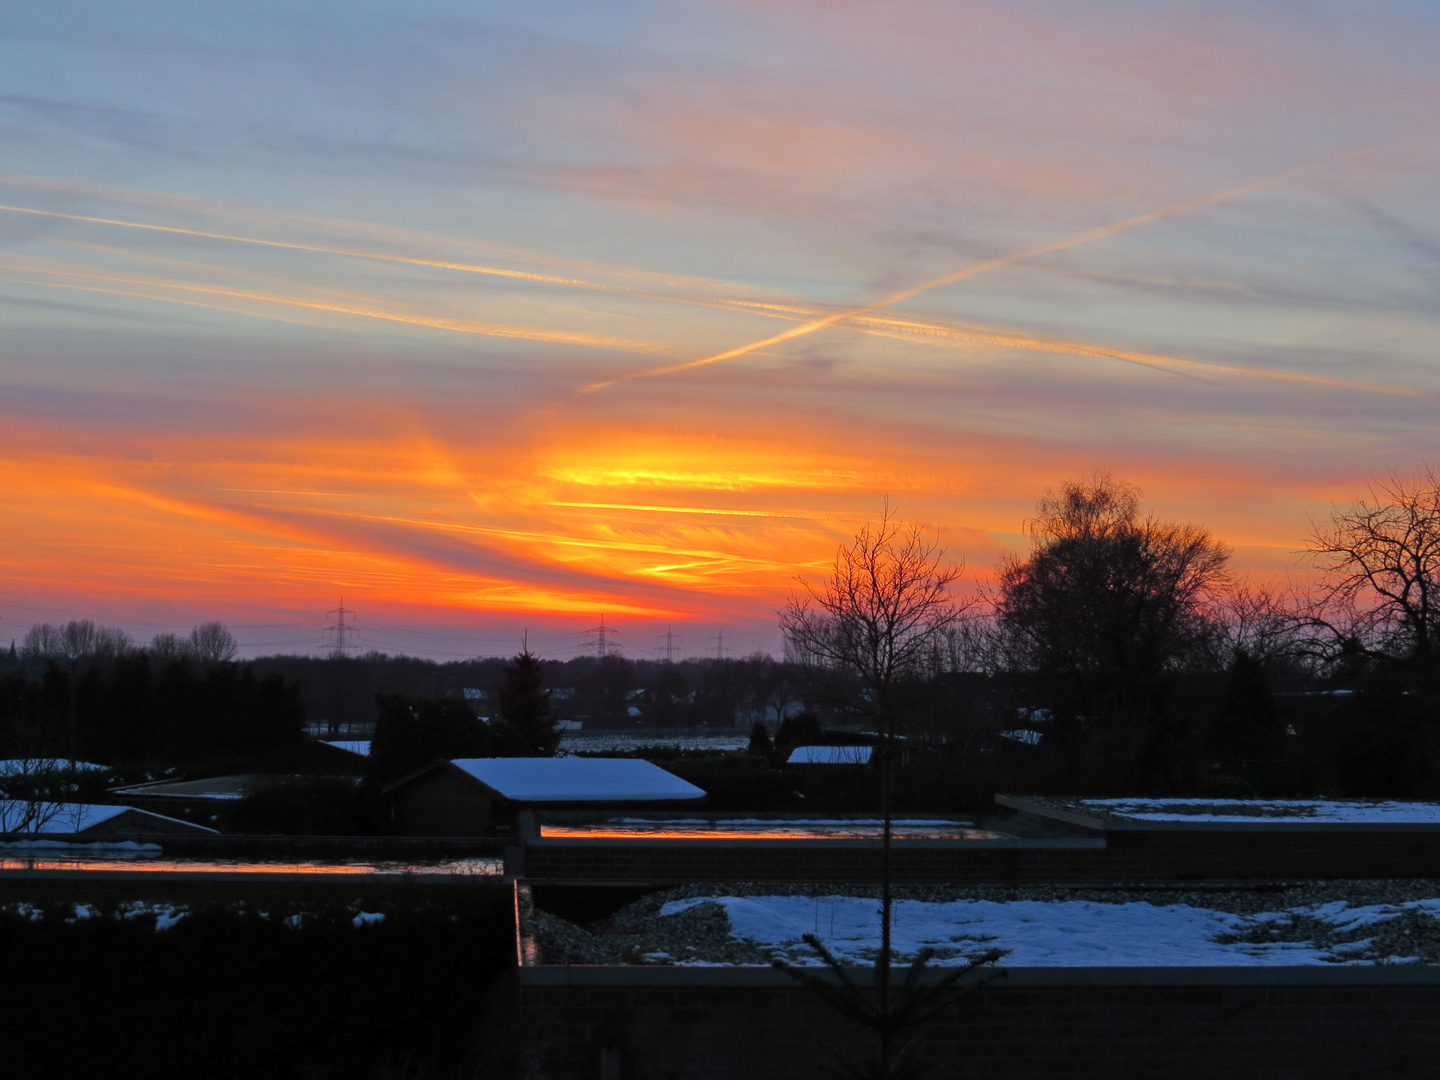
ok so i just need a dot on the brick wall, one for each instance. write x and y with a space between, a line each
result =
1016 1031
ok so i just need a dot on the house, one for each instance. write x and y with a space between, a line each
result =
830 755
481 796
211 799
88 819
311 757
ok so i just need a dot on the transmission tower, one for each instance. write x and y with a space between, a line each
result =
340 635
719 640
607 641
673 643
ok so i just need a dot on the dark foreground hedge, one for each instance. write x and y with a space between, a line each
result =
226 993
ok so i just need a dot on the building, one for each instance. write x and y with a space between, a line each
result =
481 796
88 819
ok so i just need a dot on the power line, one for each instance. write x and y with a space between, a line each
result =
719 640
673 643
607 641
338 635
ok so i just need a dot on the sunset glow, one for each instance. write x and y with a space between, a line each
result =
544 314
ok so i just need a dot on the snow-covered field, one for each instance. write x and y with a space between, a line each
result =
1315 924
1278 810
695 739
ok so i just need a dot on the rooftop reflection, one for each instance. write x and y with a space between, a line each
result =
779 830
489 867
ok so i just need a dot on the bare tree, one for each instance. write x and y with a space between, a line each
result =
74 641
168 648
878 621
1106 607
78 642
1379 560
212 643
882 615
29 800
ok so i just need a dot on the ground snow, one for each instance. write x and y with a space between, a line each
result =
116 847
1076 933
1270 810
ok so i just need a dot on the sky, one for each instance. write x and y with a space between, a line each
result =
485 318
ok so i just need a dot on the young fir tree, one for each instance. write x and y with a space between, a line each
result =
527 724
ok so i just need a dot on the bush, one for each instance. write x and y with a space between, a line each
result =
311 806
737 781
227 994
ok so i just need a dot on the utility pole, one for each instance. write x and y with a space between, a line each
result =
673 643
719 640
607 642
339 634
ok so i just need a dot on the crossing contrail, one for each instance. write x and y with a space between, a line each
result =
1089 235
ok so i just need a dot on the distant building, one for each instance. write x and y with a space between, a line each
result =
88 819
209 795
480 796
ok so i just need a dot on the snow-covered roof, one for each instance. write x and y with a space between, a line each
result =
355 746
51 817
576 779
28 766
830 755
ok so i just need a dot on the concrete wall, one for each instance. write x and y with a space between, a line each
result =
443 804
1132 856
1120 1024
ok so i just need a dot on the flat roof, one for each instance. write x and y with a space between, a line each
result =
235 786
576 779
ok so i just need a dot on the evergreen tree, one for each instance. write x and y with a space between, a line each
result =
1249 727
527 725
412 732
760 744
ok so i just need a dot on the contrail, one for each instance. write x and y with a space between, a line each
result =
373 232
460 326
548 279
1098 233
932 332
708 511
719 303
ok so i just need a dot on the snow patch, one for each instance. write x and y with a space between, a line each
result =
1384 812
1074 933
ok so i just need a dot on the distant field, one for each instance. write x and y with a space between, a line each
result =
681 738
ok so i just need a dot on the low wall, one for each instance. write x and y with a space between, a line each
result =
1034 1024
1123 852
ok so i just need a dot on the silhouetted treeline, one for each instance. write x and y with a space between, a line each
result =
612 693
129 708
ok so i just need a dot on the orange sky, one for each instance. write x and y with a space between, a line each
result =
657 326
